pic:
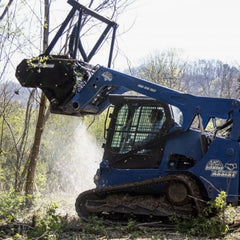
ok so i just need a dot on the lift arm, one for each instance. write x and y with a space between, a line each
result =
84 89
189 105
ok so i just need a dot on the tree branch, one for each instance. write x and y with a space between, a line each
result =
6 9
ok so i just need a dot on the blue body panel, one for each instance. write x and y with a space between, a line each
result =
217 170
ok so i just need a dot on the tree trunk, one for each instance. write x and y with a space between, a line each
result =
33 158
36 146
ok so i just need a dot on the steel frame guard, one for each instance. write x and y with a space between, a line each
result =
78 45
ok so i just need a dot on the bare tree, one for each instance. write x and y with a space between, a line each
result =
212 78
19 136
15 33
41 114
6 9
166 68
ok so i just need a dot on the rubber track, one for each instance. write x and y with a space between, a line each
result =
193 189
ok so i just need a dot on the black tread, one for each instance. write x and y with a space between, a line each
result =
118 202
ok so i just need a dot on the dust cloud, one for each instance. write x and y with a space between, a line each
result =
74 157
79 161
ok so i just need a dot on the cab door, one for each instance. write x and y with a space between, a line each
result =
134 137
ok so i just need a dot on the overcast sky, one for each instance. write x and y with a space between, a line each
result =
202 28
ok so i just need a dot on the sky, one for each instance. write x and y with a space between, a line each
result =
208 29
201 28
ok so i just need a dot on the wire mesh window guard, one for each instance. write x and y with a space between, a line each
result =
135 126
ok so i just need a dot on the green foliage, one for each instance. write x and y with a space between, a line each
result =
14 147
219 203
95 226
133 230
95 126
50 223
12 207
19 222
36 61
131 226
214 222
41 177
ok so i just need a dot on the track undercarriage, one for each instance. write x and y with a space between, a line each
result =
137 200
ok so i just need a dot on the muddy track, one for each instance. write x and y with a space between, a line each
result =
135 200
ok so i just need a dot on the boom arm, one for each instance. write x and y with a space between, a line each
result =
88 93
189 105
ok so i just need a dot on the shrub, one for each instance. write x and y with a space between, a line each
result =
48 223
213 222
12 207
